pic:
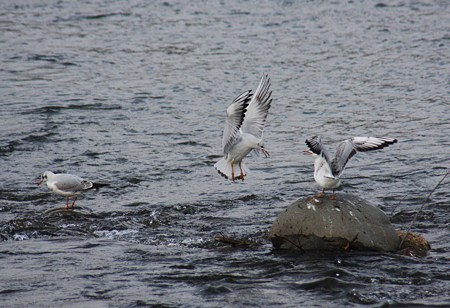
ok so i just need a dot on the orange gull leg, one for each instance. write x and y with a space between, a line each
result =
321 194
73 203
242 172
333 197
232 169
67 202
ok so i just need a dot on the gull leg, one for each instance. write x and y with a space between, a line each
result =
232 169
67 202
242 172
73 203
321 194
333 197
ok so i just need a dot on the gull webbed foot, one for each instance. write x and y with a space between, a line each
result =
321 194
333 196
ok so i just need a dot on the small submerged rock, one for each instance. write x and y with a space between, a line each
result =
346 223
413 245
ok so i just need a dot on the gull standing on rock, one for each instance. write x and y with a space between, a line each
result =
67 185
243 132
327 171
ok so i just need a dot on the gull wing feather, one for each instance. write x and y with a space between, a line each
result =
68 183
344 152
364 144
258 108
316 146
348 148
235 117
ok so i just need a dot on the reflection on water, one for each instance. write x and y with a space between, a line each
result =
135 94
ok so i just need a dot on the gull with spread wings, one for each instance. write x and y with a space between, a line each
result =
327 170
243 131
67 185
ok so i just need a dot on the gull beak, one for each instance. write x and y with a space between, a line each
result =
39 182
309 153
266 154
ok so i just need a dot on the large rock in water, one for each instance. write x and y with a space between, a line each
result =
346 223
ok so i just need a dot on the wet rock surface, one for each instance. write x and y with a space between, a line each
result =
349 222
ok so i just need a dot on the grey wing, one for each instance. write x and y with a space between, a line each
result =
364 144
344 152
348 148
69 183
235 117
258 108
316 146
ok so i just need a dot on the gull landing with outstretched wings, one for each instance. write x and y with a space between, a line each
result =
243 133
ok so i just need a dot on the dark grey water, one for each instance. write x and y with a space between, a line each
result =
134 94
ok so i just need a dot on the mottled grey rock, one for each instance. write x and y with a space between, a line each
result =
346 223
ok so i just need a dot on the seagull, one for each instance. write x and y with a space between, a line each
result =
326 170
243 131
67 185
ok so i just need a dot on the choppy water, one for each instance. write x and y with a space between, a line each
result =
134 94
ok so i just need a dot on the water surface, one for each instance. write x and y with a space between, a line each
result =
134 94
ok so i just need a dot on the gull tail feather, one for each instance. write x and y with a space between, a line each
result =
223 166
